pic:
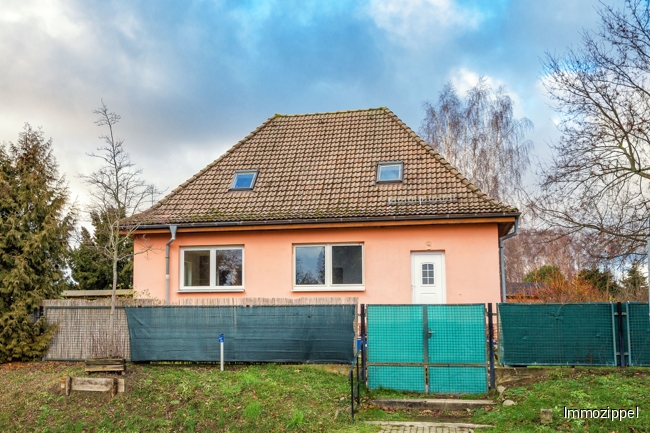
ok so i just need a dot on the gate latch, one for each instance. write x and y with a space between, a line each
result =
429 333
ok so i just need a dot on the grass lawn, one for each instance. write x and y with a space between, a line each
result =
292 398
588 388
179 398
575 388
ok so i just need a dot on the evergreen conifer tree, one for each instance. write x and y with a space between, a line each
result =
91 268
635 284
35 225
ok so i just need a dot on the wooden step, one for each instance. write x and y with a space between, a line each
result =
432 403
96 368
428 426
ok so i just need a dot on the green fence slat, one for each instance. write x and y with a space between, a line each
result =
457 334
400 378
639 333
395 333
458 380
557 334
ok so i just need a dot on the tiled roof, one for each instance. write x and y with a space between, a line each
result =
324 166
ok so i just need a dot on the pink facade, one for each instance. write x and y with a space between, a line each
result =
470 261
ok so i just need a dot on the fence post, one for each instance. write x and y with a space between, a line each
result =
363 343
425 346
491 343
621 340
351 377
630 362
358 387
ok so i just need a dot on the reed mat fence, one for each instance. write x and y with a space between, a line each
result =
83 325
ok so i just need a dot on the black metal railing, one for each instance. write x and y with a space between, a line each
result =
491 344
355 384
358 365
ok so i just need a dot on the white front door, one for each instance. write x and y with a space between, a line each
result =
428 278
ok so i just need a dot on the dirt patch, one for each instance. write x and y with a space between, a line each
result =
333 368
46 366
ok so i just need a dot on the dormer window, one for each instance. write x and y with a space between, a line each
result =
388 172
244 180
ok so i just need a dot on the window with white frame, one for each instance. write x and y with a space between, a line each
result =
212 269
328 267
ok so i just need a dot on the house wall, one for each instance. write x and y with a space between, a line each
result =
471 261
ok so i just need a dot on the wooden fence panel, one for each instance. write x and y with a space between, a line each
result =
83 333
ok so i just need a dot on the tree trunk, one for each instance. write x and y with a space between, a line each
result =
111 323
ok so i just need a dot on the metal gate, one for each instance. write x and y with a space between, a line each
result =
427 348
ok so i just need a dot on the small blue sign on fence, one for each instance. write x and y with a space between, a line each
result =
221 339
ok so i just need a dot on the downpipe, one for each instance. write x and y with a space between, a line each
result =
172 229
502 262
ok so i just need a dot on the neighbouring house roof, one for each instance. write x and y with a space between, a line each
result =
526 290
323 166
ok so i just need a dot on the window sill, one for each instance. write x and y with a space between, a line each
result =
211 290
330 289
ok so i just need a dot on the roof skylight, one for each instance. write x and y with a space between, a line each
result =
390 171
244 180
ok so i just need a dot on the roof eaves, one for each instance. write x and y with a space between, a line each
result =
326 220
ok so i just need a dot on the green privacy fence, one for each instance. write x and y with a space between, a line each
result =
574 334
638 334
296 333
427 348
557 334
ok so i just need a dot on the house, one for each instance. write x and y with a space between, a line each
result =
349 203
524 292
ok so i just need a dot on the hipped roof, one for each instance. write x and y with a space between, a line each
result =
323 166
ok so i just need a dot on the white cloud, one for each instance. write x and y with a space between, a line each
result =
463 79
55 17
415 21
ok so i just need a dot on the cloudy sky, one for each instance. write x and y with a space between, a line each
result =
191 78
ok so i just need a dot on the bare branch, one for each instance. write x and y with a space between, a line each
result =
598 179
118 192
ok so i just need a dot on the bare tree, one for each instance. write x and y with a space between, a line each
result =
118 192
480 137
534 248
598 180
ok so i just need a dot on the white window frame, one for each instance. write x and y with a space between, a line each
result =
213 270
328 286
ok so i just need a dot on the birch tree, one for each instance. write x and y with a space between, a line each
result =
117 192
480 137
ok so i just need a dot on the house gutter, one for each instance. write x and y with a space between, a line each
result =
172 229
326 220
502 263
